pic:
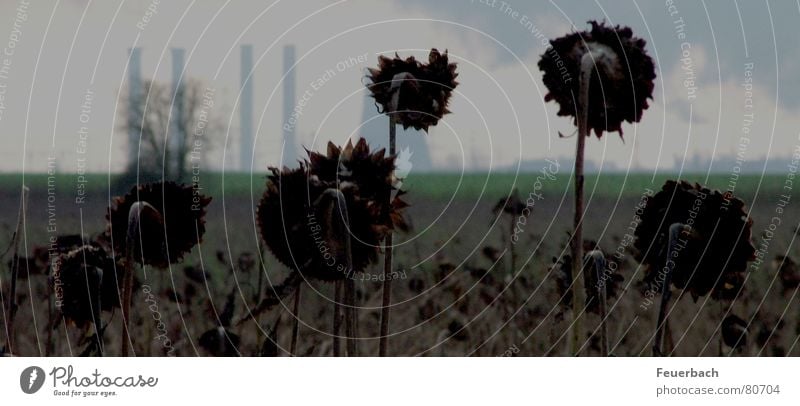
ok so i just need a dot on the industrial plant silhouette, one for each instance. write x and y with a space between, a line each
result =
372 126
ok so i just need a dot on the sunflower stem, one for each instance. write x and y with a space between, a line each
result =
596 262
511 244
48 348
12 294
296 321
257 299
134 217
388 242
127 287
603 322
721 312
387 296
257 296
97 310
350 317
342 226
666 293
337 318
587 65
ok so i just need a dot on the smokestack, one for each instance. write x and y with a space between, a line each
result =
134 93
246 109
290 148
175 136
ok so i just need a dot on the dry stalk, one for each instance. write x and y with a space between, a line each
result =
576 244
666 292
12 295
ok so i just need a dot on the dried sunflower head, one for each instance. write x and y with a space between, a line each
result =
39 262
283 215
371 173
301 210
172 222
85 281
299 218
423 90
621 83
512 204
713 256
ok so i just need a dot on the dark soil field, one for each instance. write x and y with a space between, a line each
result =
467 284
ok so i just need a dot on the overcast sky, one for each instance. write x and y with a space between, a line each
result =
63 49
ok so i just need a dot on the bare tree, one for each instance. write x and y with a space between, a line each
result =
173 126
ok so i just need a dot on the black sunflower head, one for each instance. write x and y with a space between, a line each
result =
712 252
620 85
86 281
39 262
283 216
370 172
171 222
422 90
300 214
511 204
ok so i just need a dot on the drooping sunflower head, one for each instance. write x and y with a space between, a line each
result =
421 91
41 257
511 204
306 214
171 221
283 215
85 281
621 82
305 224
371 173
713 252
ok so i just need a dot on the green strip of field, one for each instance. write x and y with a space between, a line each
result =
603 186
435 185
